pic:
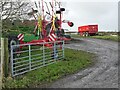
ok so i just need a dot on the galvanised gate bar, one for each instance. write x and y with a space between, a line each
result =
33 56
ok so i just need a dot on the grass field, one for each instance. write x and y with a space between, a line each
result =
73 62
105 37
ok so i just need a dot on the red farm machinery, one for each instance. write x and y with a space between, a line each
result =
45 30
88 30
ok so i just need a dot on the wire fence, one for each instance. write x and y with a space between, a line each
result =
33 56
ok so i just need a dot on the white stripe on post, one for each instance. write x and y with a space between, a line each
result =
54 35
21 37
52 38
49 39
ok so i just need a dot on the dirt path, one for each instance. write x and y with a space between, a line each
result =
104 74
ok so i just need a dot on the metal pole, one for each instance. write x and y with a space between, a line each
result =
43 55
47 7
63 49
12 60
55 51
0 66
29 57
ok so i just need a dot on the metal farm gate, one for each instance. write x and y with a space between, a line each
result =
33 56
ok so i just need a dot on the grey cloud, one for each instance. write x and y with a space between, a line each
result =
103 13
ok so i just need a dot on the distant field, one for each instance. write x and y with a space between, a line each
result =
105 37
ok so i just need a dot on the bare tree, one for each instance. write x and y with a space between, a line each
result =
17 9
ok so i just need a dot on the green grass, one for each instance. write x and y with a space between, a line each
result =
104 37
107 37
77 36
35 60
74 61
17 30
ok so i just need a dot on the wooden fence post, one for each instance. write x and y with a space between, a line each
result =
4 57
1 64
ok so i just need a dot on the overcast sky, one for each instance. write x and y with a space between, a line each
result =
87 12
104 13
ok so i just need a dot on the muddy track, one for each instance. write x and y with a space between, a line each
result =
104 74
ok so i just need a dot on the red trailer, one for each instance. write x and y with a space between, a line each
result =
88 30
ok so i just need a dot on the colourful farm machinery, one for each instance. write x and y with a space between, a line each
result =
48 25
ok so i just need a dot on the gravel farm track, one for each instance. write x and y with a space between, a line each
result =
103 74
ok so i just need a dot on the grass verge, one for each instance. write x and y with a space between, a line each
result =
74 61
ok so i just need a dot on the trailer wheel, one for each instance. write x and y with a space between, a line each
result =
83 34
86 34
